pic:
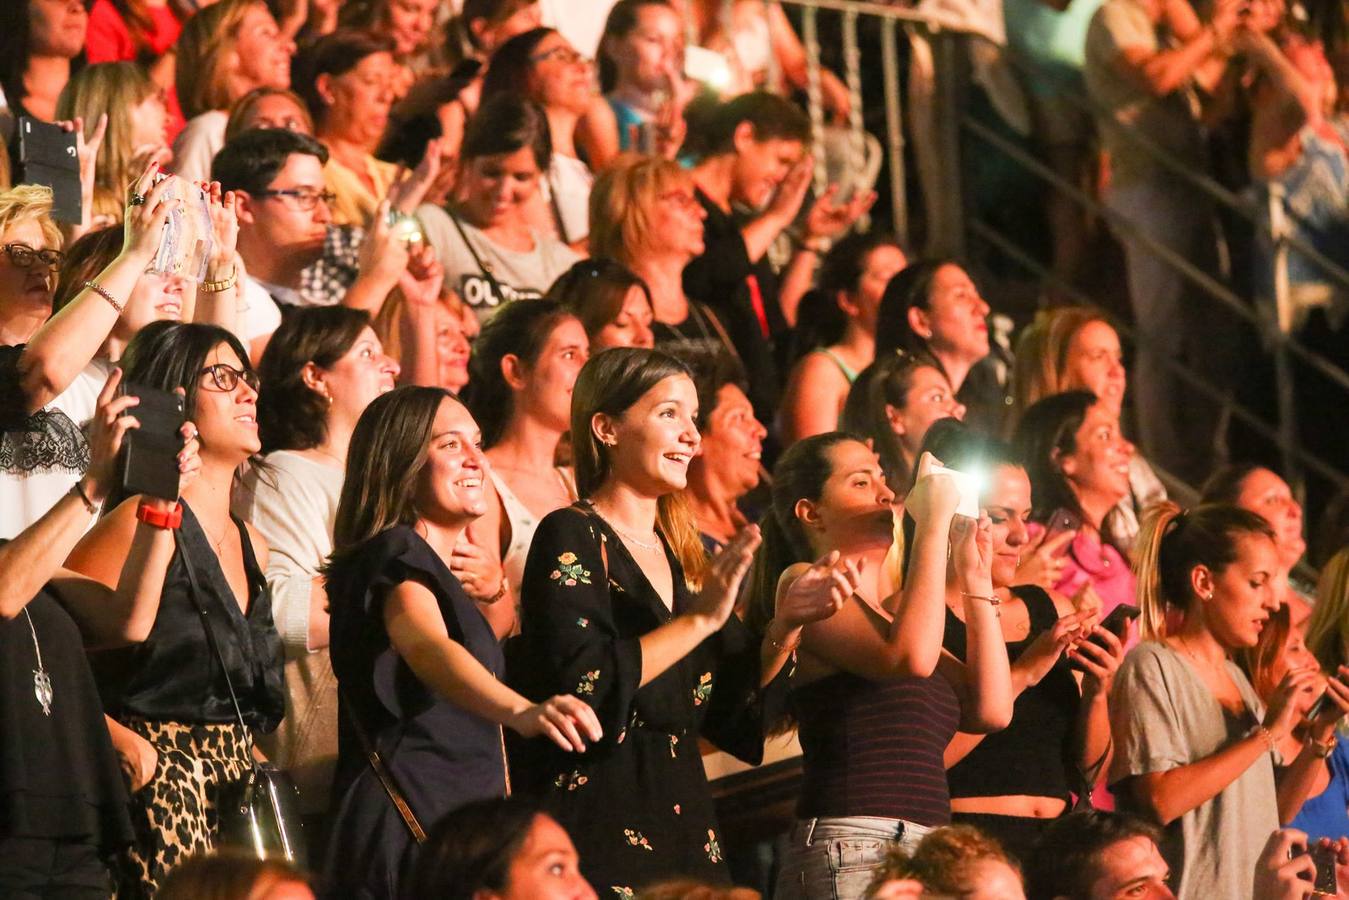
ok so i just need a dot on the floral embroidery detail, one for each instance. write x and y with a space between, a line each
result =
623 891
583 622
570 572
703 690
712 848
587 683
678 811
674 743
637 839
570 782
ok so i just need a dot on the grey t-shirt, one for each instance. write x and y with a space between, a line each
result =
521 275
1163 716
1171 122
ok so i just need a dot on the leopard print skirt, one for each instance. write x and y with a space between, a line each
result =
175 816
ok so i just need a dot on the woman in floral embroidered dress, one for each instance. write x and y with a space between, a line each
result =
613 613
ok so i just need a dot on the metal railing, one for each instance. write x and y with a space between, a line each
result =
958 132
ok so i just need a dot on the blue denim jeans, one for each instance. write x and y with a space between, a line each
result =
835 859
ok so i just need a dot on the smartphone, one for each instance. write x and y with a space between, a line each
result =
149 458
968 484
48 156
1117 623
1325 883
1062 521
406 228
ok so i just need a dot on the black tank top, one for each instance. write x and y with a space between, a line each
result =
1032 756
874 748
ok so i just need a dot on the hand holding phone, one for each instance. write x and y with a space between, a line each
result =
1117 623
968 484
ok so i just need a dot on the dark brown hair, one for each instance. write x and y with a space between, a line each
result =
594 290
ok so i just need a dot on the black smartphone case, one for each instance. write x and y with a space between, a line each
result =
48 156
150 452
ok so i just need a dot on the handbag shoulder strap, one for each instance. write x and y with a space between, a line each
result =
194 591
381 771
485 269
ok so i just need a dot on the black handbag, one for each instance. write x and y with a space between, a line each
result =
260 812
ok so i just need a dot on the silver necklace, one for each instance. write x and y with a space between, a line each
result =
42 682
636 541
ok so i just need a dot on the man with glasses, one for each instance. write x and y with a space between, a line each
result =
283 224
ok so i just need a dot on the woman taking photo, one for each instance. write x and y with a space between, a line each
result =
622 609
1075 348
318 376
64 805
838 331
1078 463
879 657
175 693
893 403
1014 783
491 254
416 663
524 367
347 79
1194 746
613 304
933 308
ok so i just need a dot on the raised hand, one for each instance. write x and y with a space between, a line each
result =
1098 663
1284 870
106 431
1335 708
146 212
791 193
424 277
818 592
478 571
1290 698
972 553
721 580
934 497
86 151
382 257
1039 658
828 219
1043 560
224 228
564 719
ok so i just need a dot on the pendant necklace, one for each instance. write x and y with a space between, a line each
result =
42 682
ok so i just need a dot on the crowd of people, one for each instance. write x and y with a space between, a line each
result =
520 430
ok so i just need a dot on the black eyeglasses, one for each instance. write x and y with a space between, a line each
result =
25 256
226 377
304 199
563 54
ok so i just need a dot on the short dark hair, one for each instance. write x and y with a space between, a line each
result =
471 850
504 124
770 116
290 414
909 288
333 54
252 160
594 290
1064 863
620 23
1224 485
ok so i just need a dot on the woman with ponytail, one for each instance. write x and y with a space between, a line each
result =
1194 746
622 609
876 697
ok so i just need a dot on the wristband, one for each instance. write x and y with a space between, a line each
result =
785 648
157 518
103 292
78 490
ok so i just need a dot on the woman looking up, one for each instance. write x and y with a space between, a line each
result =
612 615
416 662
1194 746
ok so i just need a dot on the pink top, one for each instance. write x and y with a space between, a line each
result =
1090 561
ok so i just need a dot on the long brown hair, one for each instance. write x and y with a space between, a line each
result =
1328 628
205 42
1172 542
611 383
385 459
1258 662
1042 354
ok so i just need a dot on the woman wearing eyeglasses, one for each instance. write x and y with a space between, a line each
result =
47 375
173 692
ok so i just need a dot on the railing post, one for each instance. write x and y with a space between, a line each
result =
810 37
1282 321
951 70
894 129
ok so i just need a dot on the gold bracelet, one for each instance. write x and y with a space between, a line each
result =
103 292
1268 736
1322 749
215 287
784 648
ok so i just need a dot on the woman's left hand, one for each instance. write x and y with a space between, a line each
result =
1099 663
478 572
818 592
424 277
972 553
1335 707
828 219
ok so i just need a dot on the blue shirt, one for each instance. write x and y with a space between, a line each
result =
1327 814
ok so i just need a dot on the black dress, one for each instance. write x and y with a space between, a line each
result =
1033 755
637 803
59 776
440 755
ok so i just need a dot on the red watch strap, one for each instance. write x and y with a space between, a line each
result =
158 518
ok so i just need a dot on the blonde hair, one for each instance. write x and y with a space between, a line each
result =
29 203
115 88
1042 354
1328 627
389 323
621 204
243 107
205 42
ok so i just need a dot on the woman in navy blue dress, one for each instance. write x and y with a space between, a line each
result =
416 662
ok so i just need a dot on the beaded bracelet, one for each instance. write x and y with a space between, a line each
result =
102 292
991 599
784 648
